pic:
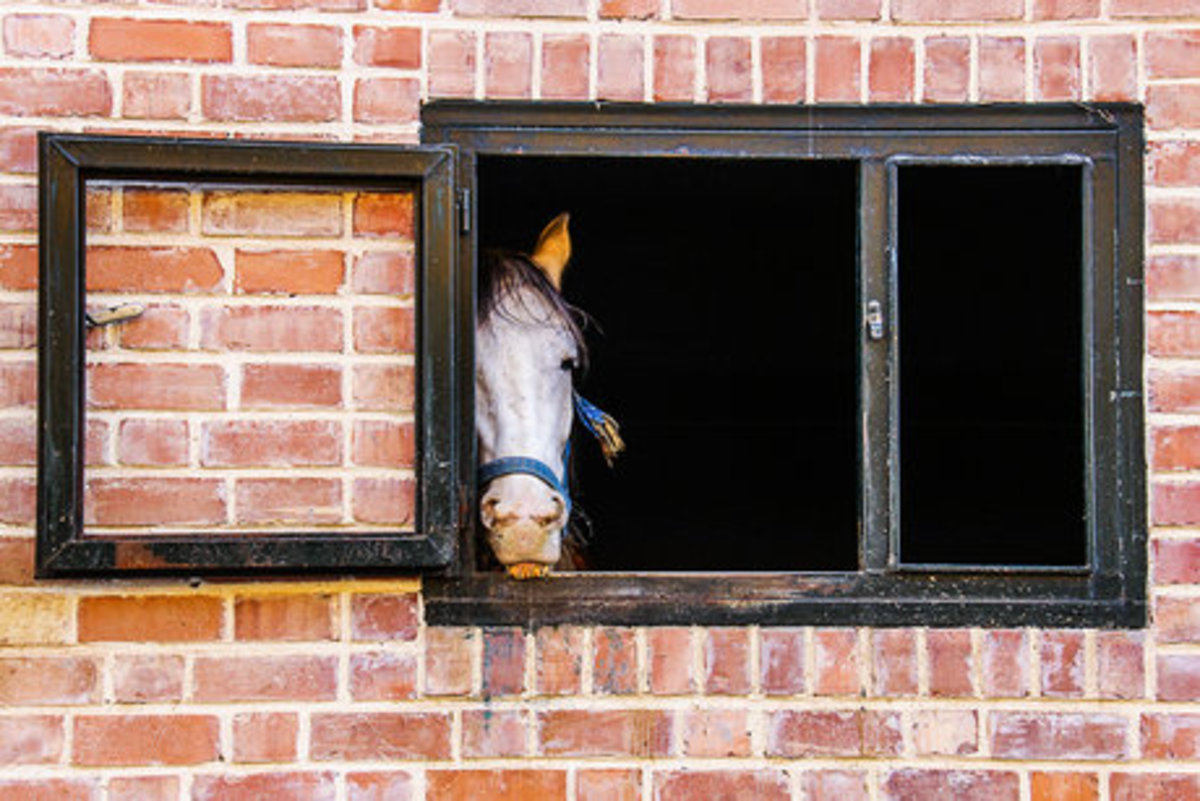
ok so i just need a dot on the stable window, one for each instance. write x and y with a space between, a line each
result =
874 366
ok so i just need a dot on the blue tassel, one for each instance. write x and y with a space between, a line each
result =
603 427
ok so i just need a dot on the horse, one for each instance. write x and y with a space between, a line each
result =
529 345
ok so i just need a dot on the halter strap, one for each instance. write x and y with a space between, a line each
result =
527 465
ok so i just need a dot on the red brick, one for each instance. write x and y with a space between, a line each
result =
716 733
154 210
947 69
384 214
1064 786
18 207
152 269
379 786
48 680
496 785
945 732
1177 620
619 67
145 740
18 499
908 784
291 386
150 618
279 213
49 790
566 60
892 69
1154 787
384 329
154 501
795 733
383 676
1121 664
729 69
390 100
1154 8
18 267
781 661
31 739
271 443
1176 561
836 658
674 68
614 784
740 9
284 617
1175 448
1174 221
614 668
503 662
508 65
1113 68
274 98
1171 736
1175 504
1173 163
1179 678
18 325
1005 664
630 9
387 47
304 501
1056 71
294 45
765 784
16 562
1057 735
490 734
1001 69
1062 663
1173 278
304 5
519 8
265 678
451 64
559 665
669 651
256 786
265 736
384 272
18 443
951 662
1066 9
156 96
55 92
272 328
159 40
99 215
1172 106
895 662
1173 333
727 661
152 442
448 658
837 69
961 11
383 443
784 69
147 678
384 616
143 788
865 10
605 733
18 384
18 153
39 35
380 736
290 272
383 501
1173 54
387 388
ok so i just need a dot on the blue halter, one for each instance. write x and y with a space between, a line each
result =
601 425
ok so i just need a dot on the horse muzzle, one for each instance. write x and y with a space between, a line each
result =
524 519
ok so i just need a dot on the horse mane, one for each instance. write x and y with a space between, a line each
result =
503 273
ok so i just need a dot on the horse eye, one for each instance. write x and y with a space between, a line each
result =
568 364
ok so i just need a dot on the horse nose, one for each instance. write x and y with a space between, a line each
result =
547 511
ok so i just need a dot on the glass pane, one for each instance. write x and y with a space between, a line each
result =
269 383
991 336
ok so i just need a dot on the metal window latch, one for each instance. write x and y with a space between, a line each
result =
875 324
115 314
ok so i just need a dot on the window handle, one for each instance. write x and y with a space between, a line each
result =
875 321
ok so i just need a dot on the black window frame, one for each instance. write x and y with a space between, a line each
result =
1106 140
66 163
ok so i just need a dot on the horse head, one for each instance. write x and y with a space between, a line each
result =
527 344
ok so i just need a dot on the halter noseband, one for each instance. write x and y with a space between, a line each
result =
602 426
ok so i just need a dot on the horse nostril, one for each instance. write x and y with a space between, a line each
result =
554 517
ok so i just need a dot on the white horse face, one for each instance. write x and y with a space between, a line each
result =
523 408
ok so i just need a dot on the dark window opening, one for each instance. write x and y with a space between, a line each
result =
992 433
725 294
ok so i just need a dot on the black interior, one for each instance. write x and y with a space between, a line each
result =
991 373
726 345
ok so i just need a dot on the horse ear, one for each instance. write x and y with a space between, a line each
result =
553 249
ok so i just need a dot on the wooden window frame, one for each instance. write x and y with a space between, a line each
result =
66 163
1106 140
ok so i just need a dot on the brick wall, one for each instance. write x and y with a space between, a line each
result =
157 689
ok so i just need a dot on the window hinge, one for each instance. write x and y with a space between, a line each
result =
464 211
